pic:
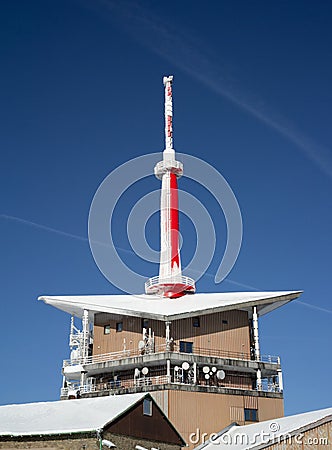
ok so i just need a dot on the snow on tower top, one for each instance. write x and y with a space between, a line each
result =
168 112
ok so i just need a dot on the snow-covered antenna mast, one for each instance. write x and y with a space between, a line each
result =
170 282
168 112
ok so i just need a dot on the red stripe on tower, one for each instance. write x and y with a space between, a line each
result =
174 218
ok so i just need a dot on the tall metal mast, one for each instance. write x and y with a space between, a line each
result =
170 282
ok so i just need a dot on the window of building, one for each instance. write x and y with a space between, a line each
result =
186 347
196 322
250 415
224 321
147 407
119 326
107 329
145 323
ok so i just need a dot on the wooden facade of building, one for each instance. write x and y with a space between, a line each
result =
197 355
225 331
224 337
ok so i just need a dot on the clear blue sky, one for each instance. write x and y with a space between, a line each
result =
81 93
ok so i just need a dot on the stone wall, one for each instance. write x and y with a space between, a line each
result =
63 443
129 443
81 443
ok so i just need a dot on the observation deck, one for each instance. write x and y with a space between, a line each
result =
203 370
170 287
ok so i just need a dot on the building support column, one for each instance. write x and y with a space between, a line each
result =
259 379
168 371
195 373
85 336
83 379
256 335
168 336
280 380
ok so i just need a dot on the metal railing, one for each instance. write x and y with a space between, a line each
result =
270 359
155 281
139 383
197 351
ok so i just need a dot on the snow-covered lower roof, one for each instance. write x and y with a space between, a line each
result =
155 307
65 416
261 434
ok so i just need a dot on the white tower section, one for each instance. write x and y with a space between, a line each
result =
170 282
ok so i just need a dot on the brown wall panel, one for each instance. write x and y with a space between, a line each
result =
199 412
153 427
232 336
268 409
250 402
161 398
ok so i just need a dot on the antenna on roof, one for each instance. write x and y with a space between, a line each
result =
170 282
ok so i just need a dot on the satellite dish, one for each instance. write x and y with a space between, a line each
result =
141 345
214 369
206 369
145 371
137 372
185 365
221 374
176 368
207 376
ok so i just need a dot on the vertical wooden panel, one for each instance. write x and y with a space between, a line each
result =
161 398
213 334
237 415
250 402
210 413
270 408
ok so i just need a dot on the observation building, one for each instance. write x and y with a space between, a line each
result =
197 354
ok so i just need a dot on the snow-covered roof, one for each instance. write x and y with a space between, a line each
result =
65 416
261 434
155 307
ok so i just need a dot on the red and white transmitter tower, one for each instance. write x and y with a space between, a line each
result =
170 282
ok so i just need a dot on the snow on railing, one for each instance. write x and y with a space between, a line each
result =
197 351
156 281
270 359
139 383
94 359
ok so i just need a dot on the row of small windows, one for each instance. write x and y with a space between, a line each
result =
145 324
118 327
197 322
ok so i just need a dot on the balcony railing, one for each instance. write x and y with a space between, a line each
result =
197 351
137 384
161 284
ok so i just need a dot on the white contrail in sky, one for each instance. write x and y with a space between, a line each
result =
54 230
182 49
84 239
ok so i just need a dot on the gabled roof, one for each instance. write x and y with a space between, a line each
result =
153 307
262 434
65 416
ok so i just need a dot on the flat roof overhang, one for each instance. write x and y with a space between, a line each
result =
166 309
